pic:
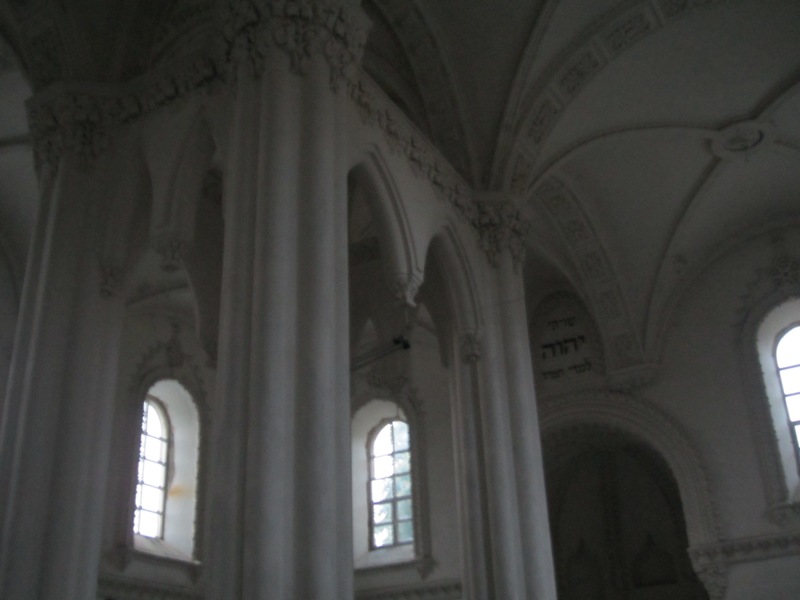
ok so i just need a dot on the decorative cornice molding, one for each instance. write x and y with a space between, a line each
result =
746 549
441 590
301 28
80 119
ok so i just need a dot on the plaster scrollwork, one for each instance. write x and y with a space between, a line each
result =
301 28
501 227
80 120
169 358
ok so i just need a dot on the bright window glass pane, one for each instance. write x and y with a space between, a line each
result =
151 499
383 442
403 485
392 519
404 509
382 513
383 535
381 489
400 436
793 407
787 354
405 532
790 378
382 466
402 462
153 425
154 474
149 524
154 449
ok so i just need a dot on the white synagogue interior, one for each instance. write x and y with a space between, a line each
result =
400 300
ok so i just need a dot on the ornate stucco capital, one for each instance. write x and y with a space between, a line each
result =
500 227
334 29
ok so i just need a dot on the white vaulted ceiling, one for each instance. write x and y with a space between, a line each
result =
672 126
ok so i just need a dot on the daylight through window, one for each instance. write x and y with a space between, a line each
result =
391 522
152 480
787 358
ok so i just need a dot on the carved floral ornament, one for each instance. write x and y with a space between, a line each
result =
302 28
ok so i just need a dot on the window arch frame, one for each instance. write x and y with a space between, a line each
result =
393 500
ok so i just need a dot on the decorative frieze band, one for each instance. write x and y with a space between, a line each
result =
746 549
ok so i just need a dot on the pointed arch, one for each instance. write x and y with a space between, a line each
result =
403 253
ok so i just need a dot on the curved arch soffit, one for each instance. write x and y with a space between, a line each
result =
639 420
433 80
404 255
599 280
447 248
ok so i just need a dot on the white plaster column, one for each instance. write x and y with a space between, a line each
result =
500 459
507 578
280 512
55 432
534 523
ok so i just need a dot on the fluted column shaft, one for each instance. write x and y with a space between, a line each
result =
509 504
528 460
55 430
280 512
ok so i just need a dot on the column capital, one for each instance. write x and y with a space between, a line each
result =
501 226
336 30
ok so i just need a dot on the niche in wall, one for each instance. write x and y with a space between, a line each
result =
616 519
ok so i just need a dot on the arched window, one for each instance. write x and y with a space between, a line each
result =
787 359
165 502
151 487
392 514
777 421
